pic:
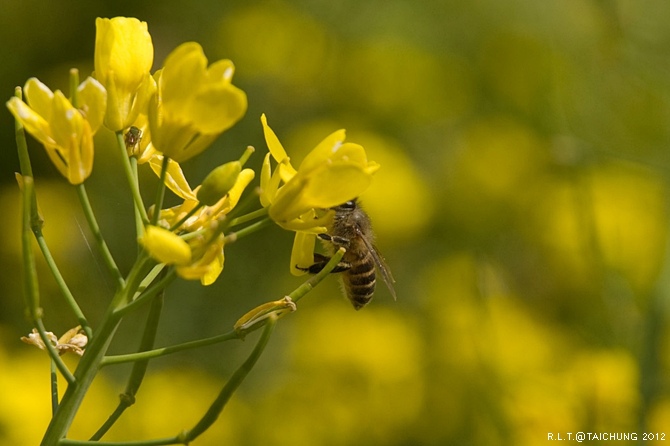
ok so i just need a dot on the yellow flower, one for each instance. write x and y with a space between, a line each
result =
123 58
193 103
66 132
205 240
333 173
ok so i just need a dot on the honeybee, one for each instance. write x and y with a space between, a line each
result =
352 230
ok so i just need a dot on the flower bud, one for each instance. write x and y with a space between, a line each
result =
165 246
218 183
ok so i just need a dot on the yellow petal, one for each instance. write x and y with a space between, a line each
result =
34 123
123 57
217 107
123 49
39 97
80 156
324 188
276 149
66 121
323 152
174 177
243 179
183 72
165 246
93 102
302 253
266 194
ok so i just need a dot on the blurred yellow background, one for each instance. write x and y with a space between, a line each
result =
522 205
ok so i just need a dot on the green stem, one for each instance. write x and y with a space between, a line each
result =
160 194
139 223
156 353
155 442
31 285
90 363
148 293
229 388
309 285
131 178
62 285
54 388
248 217
95 229
136 377
21 145
234 236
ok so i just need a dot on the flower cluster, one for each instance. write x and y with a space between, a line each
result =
172 115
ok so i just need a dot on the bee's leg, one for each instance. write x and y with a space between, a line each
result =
335 240
320 262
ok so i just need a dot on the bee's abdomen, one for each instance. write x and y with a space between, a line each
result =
360 280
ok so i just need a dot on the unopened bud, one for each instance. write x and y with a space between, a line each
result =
218 183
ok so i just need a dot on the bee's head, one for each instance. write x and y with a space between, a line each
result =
347 206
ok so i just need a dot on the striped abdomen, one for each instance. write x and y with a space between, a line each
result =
359 280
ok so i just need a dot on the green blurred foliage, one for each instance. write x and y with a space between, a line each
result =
522 205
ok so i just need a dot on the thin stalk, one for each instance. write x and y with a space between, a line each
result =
30 283
62 285
234 236
147 294
160 194
139 224
309 285
131 178
21 144
164 351
136 377
95 229
248 217
155 442
229 388
54 388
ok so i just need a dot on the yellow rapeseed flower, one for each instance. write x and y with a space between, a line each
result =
123 58
333 173
65 131
193 103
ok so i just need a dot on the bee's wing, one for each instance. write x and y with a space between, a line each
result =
381 266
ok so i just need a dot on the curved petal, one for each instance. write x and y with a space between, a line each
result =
323 152
65 122
174 177
302 253
184 71
123 50
39 97
216 108
93 102
34 123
